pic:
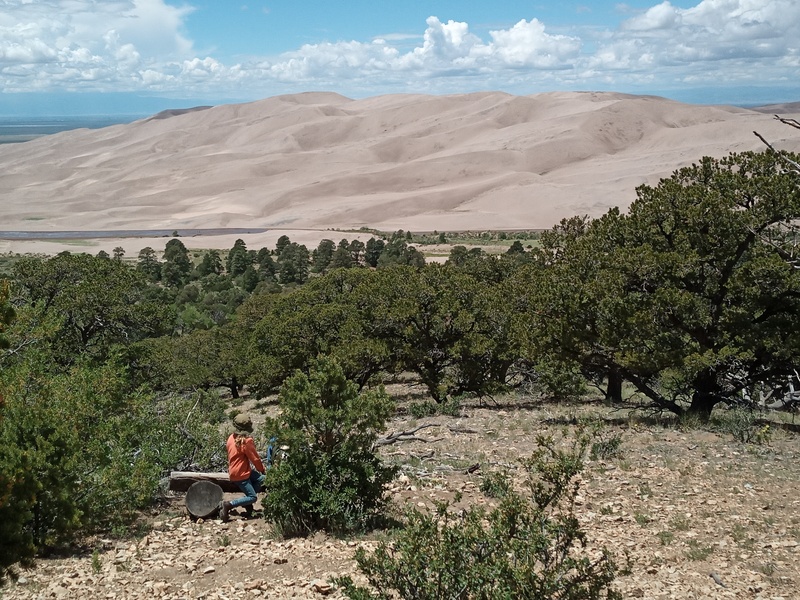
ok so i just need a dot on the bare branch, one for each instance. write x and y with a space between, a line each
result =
459 429
780 154
787 256
20 347
404 436
790 122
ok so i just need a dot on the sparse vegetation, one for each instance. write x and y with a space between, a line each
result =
110 375
524 548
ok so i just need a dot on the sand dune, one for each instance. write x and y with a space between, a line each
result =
316 161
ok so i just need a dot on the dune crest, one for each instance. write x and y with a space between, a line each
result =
319 160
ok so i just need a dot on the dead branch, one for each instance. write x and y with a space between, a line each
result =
782 252
790 122
780 155
425 456
405 436
20 347
459 429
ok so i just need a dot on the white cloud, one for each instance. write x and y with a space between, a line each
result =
139 45
99 41
527 45
711 39
660 17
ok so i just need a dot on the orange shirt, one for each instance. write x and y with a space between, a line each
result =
240 459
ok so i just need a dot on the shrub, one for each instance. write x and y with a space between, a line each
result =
420 410
530 546
330 479
81 453
743 425
606 447
495 484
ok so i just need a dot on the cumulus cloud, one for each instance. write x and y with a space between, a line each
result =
527 45
140 45
703 37
103 41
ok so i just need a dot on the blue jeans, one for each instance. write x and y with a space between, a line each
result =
248 487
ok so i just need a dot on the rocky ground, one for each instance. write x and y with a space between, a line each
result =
700 514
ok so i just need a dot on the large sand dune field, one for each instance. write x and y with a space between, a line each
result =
307 163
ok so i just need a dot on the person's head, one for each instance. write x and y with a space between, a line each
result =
242 424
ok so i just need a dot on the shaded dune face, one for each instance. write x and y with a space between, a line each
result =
319 160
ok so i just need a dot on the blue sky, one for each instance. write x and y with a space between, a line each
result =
140 56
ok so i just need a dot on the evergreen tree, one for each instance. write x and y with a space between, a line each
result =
238 259
342 259
322 255
149 264
373 251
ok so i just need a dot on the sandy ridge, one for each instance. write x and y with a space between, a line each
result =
317 161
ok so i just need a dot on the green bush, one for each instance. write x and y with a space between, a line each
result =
530 546
606 447
743 425
83 453
330 479
420 410
495 484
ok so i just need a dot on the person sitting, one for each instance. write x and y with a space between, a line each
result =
245 467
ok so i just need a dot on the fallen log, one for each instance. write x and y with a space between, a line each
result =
203 499
181 481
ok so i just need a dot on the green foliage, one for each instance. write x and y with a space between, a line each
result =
202 359
293 263
177 264
322 256
211 264
665 537
496 484
697 551
374 249
7 312
97 563
83 307
527 547
81 452
238 260
331 478
682 297
743 425
443 325
420 410
397 251
451 406
325 317
605 445
149 264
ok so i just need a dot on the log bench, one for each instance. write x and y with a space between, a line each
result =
181 481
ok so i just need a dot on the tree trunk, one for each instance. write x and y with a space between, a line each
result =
234 387
614 389
706 396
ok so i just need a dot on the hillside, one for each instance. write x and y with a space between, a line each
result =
319 160
681 503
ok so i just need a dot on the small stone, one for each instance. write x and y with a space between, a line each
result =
208 570
321 587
